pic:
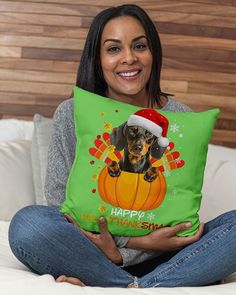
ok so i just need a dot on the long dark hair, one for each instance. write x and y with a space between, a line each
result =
90 75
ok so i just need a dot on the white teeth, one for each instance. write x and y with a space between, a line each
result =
128 74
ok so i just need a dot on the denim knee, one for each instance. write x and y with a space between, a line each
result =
33 233
19 229
28 222
43 240
229 216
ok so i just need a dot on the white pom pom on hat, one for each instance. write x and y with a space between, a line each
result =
152 121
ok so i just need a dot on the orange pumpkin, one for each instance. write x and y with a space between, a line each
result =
130 191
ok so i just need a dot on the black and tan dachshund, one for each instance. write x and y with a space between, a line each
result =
138 145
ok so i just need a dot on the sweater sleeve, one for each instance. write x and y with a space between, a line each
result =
61 154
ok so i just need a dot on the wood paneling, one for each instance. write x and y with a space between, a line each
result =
41 44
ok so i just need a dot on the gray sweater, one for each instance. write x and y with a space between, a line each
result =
60 159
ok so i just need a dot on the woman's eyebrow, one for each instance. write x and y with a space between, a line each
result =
139 37
112 40
119 41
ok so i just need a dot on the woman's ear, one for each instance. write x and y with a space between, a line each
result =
118 138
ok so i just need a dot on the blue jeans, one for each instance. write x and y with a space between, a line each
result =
43 240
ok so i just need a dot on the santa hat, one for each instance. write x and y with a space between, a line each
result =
152 121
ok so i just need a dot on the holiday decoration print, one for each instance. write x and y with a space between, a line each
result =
137 155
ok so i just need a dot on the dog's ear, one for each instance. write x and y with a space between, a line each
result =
118 138
157 151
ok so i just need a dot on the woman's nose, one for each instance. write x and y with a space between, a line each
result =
129 57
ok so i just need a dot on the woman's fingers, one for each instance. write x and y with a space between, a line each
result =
70 280
173 230
86 233
103 227
70 219
200 231
183 241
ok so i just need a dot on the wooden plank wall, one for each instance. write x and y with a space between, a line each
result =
41 44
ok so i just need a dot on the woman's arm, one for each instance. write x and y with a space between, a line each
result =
165 239
141 248
61 154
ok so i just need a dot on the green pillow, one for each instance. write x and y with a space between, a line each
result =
136 194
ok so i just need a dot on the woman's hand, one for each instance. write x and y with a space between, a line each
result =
165 239
103 241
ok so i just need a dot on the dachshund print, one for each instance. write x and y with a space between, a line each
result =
140 138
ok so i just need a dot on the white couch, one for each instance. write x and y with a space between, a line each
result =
22 172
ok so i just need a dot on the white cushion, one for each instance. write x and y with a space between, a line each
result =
13 129
219 187
221 153
16 181
40 144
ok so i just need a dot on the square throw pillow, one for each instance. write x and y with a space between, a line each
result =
39 155
15 129
219 180
141 169
16 181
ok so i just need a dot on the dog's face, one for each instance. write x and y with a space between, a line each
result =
139 140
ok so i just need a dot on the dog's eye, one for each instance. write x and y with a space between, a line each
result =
133 131
149 141
148 135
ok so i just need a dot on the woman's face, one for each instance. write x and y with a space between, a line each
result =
126 60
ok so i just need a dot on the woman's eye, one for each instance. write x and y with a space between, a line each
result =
113 49
140 46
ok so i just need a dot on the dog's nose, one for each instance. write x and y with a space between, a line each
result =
138 148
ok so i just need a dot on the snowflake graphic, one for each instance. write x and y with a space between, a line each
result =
166 173
174 128
181 135
151 216
174 192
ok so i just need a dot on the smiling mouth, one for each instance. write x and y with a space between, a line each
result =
129 74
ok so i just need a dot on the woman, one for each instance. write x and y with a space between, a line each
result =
121 60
